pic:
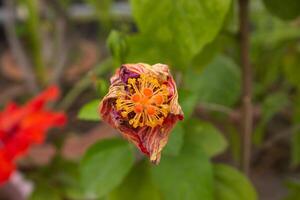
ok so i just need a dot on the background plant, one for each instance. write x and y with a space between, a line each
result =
222 53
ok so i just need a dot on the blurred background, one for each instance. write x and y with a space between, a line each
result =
78 44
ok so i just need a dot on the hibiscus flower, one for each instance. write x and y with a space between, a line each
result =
142 103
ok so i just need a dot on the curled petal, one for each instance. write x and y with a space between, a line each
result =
142 103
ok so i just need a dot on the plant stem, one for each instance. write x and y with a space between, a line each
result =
34 27
247 116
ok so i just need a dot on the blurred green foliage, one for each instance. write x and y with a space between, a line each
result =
199 40
232 185
104 166
90 111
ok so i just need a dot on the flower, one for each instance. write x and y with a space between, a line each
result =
21 127
142 103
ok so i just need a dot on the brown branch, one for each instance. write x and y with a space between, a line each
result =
247 115
16 47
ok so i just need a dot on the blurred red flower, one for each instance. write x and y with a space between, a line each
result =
142 103
23 126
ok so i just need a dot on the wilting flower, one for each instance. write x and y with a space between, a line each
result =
142 103
23 126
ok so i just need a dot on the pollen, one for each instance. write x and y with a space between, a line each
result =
144 101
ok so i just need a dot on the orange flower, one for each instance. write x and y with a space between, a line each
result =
142 103
21 127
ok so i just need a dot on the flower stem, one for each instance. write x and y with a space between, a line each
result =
247 116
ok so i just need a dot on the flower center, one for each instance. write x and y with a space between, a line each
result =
144 103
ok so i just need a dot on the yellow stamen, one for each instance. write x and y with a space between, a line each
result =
146 99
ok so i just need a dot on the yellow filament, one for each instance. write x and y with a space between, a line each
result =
146 99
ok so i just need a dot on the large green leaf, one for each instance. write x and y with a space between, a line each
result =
104 166
203 135
137 185
231 184
286 10
178 29
218 83
90 111
209 51
186 176
175 141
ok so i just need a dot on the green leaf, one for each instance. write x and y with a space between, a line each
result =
137 185
186 176
204 57
90 111
104 166
179 29
218 83
150 50
203 135
175 142
230 184
286 10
